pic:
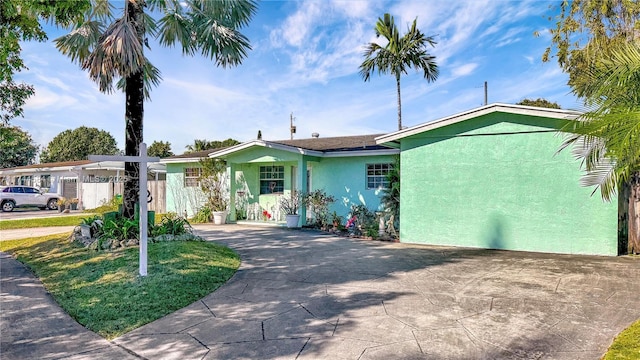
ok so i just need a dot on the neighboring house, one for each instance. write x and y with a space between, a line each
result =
92 183
492 177
350 168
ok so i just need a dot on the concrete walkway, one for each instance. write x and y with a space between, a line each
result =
305 295
14 234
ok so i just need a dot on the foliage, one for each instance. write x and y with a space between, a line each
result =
290 204
391 195
119 228
78 144
318 201
363 221
107 206
607 138
626 346
18 149
160 149
539 102
102 291
213 182
66 220
586 30
112 49
20 23
399 54
201 145
172 224
203 215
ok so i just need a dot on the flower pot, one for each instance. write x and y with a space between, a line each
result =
219 217
292 221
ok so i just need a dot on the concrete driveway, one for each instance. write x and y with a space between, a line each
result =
306 295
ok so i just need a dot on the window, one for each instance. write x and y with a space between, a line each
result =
271 179
191 176
377 175
45 181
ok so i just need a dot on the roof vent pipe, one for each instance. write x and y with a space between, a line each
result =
315 135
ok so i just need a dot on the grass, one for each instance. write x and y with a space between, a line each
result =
626 346
102 290
65 220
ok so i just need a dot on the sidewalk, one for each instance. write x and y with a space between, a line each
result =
14 234
33 326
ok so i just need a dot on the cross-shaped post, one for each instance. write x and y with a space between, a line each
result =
142 159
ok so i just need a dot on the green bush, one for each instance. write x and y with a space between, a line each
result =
171 224
107 206
203 215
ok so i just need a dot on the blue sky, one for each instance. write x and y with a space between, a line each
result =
305 60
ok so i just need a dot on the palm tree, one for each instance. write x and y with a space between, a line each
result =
399 54
608 137
111 48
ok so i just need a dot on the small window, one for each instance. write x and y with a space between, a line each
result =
30 190
45 181
377 175
192 176
271 179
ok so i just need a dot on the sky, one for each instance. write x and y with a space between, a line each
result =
304 61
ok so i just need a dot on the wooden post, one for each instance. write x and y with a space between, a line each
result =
143 219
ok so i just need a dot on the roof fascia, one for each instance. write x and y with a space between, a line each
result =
477 112
266 144
337 154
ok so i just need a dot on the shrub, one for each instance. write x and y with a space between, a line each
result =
319 202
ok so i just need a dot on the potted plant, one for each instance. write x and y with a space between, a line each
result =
62 202
214 186
73 204
290 205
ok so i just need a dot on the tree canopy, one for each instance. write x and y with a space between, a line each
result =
19 21
399 54
585 31
202 144
539 102
78 144
160 149
111 49
18 149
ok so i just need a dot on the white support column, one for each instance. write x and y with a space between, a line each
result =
232 191
302 187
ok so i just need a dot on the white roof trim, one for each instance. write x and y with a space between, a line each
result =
266 144
473 113
335 154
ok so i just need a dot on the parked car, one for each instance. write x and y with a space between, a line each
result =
23 196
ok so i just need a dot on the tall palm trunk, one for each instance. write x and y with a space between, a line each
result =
634 215
134 110
399 102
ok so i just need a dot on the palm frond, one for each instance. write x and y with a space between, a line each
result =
79 43
152 78
117 54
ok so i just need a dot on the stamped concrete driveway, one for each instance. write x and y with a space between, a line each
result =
305 295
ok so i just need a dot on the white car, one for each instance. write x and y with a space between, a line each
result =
24 196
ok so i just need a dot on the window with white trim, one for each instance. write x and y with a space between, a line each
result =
192 176
377 175
272 179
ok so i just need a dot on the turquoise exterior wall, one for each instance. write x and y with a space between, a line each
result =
181 199
346 179
504 191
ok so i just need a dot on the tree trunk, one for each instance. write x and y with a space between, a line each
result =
134 110
634 215
399 103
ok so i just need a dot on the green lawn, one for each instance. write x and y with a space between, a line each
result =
626 346
61 220
102 290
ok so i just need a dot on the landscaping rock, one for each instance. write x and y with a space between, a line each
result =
106 244
94 245
132 242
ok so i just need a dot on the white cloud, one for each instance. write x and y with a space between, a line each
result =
464 70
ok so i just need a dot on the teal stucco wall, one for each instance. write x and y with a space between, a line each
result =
181 199
484 183
346 179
